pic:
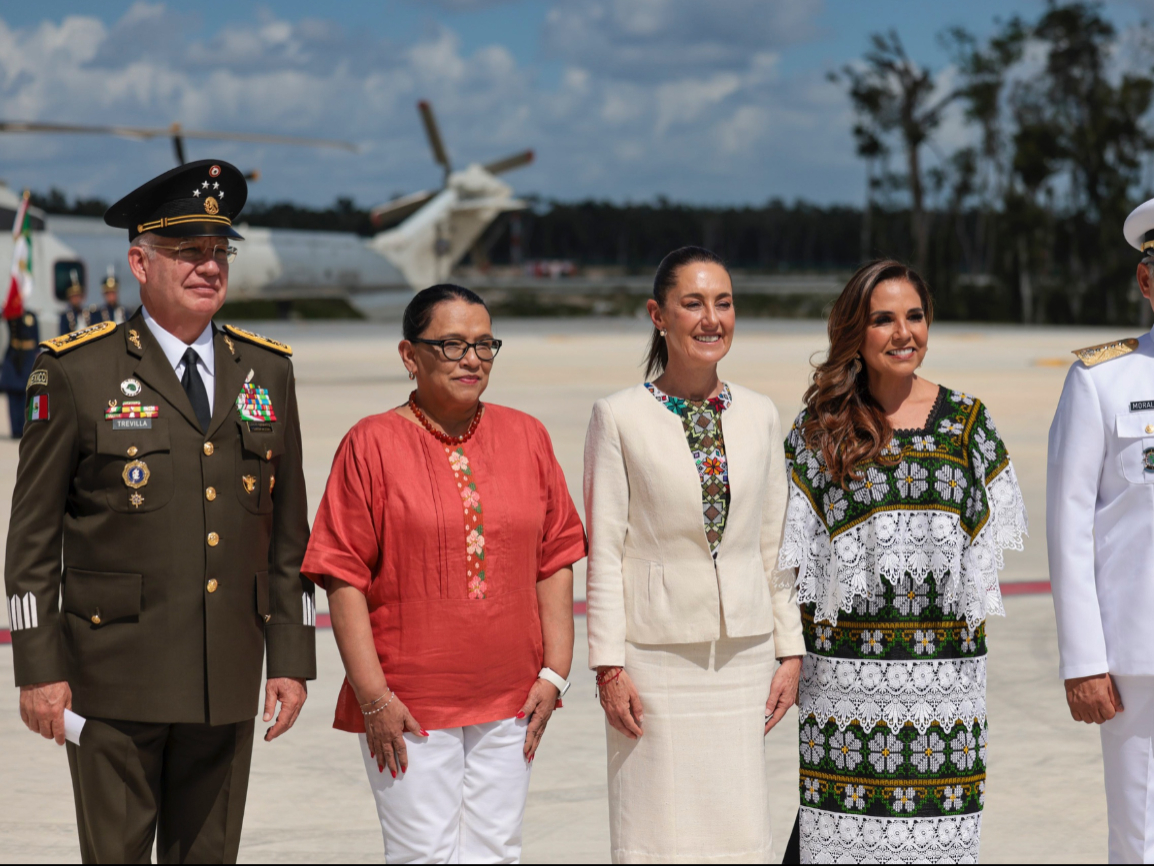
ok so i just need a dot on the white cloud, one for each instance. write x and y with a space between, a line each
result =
648 96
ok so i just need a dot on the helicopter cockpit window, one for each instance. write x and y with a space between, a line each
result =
67 273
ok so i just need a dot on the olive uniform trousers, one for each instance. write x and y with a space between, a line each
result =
184 783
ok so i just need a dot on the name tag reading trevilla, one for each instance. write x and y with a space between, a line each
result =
131 423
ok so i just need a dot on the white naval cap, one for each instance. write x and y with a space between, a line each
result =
1139 228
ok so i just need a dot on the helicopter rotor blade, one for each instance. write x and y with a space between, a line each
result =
178 144
145 133
394 211
508 163
433 133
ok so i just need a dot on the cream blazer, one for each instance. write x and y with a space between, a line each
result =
652 578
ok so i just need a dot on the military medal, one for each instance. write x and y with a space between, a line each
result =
135 474
130 409
1148 459
254 404
249 483
136 499
130 387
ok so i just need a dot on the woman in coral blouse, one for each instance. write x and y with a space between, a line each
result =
445 540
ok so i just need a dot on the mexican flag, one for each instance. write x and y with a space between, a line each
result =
38 408
20 285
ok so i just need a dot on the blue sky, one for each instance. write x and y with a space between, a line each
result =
720 102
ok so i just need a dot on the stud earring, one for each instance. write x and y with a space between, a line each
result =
662 332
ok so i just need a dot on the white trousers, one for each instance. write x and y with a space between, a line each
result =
1128 753
462 799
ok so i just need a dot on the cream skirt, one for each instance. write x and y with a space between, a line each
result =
693 789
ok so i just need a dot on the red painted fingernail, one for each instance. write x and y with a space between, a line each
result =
372 754
520 715
394 772
424 733
380 769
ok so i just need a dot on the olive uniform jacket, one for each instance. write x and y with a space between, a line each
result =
177 552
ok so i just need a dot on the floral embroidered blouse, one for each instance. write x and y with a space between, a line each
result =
447 544
896 575
702 422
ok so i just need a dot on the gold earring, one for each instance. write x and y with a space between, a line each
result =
412 375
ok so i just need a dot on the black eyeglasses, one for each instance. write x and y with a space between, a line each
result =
455 350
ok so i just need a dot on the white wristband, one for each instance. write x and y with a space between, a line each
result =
551 676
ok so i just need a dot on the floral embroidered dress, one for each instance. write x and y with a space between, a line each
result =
702 422
896 575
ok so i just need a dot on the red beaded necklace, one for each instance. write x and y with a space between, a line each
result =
444 438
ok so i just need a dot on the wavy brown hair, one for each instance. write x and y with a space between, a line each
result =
844 423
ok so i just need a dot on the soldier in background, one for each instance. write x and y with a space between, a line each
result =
161 486
110 310
76 316
23 337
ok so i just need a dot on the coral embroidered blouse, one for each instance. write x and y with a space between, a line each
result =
447 544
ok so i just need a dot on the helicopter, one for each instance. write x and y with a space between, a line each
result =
422 237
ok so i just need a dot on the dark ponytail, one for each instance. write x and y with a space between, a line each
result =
664 280
419 312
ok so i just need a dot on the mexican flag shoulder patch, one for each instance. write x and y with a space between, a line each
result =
38 407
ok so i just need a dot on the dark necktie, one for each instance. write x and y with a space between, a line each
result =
194 388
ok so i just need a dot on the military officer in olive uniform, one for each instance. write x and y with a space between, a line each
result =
158 526
23 337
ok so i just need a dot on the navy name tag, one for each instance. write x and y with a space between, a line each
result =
131 423
1141 405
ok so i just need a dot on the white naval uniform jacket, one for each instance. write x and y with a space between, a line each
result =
1100 516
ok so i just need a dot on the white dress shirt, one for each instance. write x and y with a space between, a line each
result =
1100 516
174 349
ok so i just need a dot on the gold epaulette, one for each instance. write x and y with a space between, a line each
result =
68 342
257 339
1106 352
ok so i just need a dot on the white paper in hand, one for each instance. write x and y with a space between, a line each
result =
73 725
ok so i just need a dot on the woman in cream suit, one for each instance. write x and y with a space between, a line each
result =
685 495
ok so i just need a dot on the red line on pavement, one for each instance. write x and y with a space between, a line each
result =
1026 587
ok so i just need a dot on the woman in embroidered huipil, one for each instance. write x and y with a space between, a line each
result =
445 540
902 500
685 494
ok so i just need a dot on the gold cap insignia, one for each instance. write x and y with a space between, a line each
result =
211 206
1095 355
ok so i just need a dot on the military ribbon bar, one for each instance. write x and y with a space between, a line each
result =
131 409
254 404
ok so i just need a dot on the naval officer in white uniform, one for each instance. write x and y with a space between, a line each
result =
1100 529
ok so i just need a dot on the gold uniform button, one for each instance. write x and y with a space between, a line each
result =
208 449
210 494
96 619
132 450
213 539
1150 428
268 454
212 585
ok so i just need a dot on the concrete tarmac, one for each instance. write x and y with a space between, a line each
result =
308 797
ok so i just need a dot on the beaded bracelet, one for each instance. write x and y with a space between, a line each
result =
379 709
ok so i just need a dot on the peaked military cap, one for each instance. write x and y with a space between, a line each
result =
197 199
1139 228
